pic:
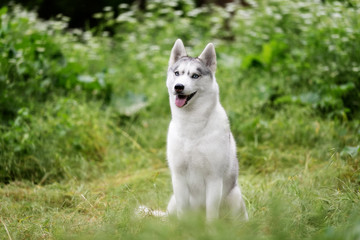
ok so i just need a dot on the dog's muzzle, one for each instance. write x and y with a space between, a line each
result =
181 99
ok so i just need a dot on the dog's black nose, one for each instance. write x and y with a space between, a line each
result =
179 87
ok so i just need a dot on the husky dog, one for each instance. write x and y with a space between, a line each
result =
201 149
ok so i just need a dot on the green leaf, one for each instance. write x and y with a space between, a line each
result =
3 10
251 60
129 104
350 151
285 99
267 53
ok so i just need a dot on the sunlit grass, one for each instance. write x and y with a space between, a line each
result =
283 204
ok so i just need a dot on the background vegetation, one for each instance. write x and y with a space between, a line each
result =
83 118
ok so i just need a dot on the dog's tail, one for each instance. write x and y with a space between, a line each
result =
143 211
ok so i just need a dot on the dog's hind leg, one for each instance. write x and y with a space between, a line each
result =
171 208
236 204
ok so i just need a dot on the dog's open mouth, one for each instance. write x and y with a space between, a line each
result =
182 100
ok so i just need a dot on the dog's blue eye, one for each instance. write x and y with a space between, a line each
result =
195 76
177 73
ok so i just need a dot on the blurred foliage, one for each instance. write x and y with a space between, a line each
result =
79 13
312 47
40 59
278 55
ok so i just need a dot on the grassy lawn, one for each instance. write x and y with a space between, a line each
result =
309 200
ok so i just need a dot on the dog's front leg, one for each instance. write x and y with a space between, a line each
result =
213 197
181 192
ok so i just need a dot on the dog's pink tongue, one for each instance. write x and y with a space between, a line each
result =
180 101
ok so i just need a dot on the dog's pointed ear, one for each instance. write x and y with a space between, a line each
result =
208 56
178 51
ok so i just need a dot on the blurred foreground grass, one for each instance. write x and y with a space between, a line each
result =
84 119
311 203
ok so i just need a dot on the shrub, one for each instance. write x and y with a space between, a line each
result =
40 59
311 46
308 48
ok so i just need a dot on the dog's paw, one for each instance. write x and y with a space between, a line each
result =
143 211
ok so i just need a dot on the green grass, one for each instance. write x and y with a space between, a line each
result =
84 120
309 201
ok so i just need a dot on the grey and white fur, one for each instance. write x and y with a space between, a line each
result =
201 149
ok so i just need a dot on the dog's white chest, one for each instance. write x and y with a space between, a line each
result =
184 152
198 150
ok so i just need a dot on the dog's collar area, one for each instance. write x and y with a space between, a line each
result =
181 100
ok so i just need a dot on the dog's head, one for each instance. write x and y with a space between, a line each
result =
190 79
